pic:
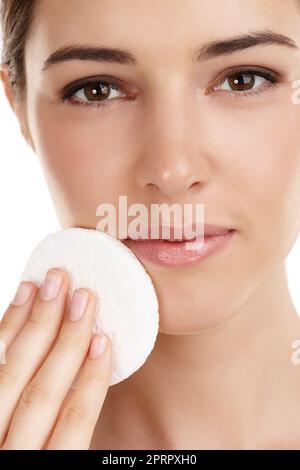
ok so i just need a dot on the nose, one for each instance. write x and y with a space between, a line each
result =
171 160
173 179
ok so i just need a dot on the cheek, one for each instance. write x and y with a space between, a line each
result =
261 167
82 155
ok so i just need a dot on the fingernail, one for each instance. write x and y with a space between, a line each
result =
51 285
78 304
22 294
98 346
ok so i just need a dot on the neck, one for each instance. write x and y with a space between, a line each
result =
218 387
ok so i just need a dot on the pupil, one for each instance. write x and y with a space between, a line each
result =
93 93
239 83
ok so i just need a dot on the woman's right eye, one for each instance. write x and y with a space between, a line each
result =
96 93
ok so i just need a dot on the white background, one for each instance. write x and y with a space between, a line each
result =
26 209
27 213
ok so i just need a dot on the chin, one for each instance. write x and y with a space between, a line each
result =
194 320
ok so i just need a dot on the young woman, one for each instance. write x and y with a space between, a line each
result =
166 101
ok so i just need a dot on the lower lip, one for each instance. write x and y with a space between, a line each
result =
172 254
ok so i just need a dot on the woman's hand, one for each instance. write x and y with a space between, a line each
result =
49 343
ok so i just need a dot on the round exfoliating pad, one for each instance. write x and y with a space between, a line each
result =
127 305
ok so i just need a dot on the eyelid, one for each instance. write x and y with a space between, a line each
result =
270 75
73 87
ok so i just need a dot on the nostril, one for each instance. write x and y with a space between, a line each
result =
196 183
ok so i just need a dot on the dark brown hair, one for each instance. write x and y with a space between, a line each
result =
16 21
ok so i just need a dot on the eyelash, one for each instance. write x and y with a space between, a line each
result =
271 77
70 91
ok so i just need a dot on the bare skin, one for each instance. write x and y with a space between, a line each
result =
234 387
220 375
54 380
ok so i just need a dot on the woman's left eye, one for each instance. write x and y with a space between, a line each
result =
96 93
246 82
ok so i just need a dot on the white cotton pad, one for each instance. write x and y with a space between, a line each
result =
127 309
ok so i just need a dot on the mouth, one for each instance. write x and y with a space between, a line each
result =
184 252
178 235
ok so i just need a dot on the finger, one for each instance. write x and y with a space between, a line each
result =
78 416
30 348
42 398
17 312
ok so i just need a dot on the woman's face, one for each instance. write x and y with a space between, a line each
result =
169 121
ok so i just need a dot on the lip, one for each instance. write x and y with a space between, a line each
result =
182 233
175 253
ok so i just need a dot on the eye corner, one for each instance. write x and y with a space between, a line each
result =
271 79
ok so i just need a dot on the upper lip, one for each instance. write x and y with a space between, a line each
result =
184 234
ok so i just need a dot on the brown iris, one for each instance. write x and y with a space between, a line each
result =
96 92
238 82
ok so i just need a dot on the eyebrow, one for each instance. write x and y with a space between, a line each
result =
94 53
207 51
241 42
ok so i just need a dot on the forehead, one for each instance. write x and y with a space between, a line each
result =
156 25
